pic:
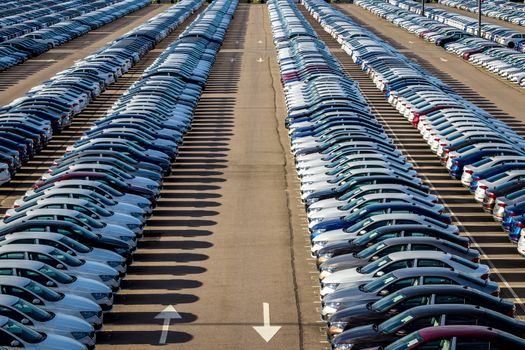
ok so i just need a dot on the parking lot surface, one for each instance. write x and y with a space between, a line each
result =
227 247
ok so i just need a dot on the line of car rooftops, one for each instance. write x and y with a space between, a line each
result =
30 33
66 244
500 50
394 271
504 10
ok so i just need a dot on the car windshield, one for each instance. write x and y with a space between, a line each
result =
110 190
86 219
379 283
406 343
33 311
396 322
359 226
387 302
102 199
497 177
65 258
56 274
98 210
77 246
42 291
481 162
26 334
365 253
375 265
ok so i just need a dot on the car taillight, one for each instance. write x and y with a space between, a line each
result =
495 293
492 195
456 163
476 260
520 225
485 276
7 216
468 171
483 187
503 205
512 214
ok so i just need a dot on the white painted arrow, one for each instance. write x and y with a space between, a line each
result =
266 331
260 60
167 314
443 60
260 42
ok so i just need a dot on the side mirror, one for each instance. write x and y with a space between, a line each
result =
15 343
36 301
50 284
70 252
401 333
379 273
374 258
24 321
383 293
94 216
60 266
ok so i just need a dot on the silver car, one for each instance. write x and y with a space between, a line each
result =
85 207
400 260
59 281
67 244
18 336
63 261
46 322
41 296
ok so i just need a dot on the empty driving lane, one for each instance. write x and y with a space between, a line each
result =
225 236
507 266
500 97
15 82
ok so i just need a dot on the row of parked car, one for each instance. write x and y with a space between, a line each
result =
474 146
15 49
394 272
500 9
29 122
44 15
67 242
494 57
500 34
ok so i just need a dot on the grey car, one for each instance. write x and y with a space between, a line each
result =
41 296
391 245
47 322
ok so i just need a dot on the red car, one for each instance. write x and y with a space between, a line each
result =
457 338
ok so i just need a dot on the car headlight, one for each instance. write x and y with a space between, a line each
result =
98 296
126 238
332 286
136 215
337 327
88 314
342 346
80 335
143 205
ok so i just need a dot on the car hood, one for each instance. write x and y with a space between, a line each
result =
57 342
68 323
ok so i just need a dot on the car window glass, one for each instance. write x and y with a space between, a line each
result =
430 263
6 338
17 292
13 255
4 311
396 248
24 241
423 247
437 280
53 244
402 283
32 275
473 344
6 272
448 299
460 320
44 217
415 301
43 258
53 206
398 265
440 344
421 323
